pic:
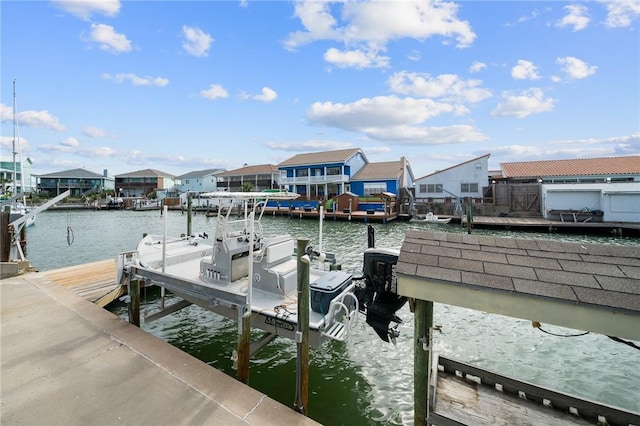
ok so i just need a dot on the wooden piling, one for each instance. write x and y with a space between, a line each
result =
244 349
189 212
5 237
423 319
134 302
302 382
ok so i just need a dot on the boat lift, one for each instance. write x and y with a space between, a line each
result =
16 227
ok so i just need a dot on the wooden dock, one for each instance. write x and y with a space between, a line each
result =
356 215
546 225
95 281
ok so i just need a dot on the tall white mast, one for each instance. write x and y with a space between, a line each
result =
16 147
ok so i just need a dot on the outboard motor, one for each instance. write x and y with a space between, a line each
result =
378 297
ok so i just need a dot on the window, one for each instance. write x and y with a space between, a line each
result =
433 188
374 188
333 171
469 188
302 172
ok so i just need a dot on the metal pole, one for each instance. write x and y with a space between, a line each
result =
189 206
423 317
302 335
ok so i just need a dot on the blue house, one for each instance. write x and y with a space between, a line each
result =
319 175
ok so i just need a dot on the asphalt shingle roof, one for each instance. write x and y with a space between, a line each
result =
320 157
578 273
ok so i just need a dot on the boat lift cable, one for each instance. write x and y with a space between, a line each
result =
616 339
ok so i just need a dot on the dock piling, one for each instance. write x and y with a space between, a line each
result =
302 337
423 319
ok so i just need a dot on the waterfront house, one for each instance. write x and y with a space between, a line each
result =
22 174
80 182
143 183
466 180
319 175
257 178
199 181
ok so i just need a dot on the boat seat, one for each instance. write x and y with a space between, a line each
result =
278 249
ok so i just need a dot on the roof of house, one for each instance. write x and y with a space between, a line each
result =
574 167
200 173
146 173
74 173
259 169
574 274
382 170
324 157
457 165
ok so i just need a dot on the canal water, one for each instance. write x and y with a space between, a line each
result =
364 381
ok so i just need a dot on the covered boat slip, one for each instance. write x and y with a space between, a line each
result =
590 287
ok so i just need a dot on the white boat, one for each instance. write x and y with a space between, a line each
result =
431 218
244 272
142 205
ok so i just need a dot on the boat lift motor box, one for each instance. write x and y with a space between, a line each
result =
326 288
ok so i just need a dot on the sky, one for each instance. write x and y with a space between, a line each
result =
180 86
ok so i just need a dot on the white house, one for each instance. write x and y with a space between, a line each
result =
460 181
200 181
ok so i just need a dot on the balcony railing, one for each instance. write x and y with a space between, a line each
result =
303 180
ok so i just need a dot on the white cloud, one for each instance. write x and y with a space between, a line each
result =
449 87
31 118
95 132
620 13
477 67
215 91
393 120
266 95
525 70
136 80
197 42
70 142
108 39
311 145
355 59
577 17
84 9
369 26
527 103
576 68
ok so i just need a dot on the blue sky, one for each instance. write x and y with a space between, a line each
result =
180 86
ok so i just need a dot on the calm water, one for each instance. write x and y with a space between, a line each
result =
363 381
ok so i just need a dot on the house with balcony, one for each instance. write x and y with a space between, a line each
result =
22 171
319 175
257 178
198 181
80 182
143 183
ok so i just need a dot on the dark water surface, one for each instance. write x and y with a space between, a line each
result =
364 381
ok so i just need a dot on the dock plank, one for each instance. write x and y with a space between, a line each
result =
91 281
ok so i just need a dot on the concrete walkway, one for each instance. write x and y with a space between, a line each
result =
64 361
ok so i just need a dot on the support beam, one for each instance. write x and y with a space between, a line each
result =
423 319
302 382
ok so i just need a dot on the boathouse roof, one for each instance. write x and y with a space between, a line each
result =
324 157
629 165
592 287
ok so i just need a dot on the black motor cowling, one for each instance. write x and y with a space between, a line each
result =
378 296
